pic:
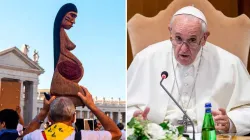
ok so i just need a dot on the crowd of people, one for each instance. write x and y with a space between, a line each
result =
61 124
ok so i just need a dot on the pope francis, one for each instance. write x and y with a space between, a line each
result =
199 72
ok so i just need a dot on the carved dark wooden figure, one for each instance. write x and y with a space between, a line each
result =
68 70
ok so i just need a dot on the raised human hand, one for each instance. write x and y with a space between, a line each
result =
18 109
46 103
222 121
87 98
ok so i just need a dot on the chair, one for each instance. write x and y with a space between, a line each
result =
231 34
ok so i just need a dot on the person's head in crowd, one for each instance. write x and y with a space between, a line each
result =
97 125
120 126
8 119
47 124
91 115
62 110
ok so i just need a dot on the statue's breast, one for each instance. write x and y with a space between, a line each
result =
69 70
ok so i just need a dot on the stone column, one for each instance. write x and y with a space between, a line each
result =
26 111
84 114
119 117
111 115
88 114
30 100
123 117
21 104
34 98
81 114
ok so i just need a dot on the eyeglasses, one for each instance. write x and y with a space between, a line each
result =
191 43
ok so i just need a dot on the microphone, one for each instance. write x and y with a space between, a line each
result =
164 75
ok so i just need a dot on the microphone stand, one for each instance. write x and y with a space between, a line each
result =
178 106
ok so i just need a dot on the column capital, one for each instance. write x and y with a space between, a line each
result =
35 82
21 81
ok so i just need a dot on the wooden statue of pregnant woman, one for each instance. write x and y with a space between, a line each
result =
68 70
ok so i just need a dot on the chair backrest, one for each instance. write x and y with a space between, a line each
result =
231 34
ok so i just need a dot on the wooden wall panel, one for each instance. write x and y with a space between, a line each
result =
244 8
227 7
10 94
147 8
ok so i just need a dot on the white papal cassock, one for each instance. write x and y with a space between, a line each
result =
221 79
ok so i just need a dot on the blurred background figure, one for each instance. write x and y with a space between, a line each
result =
20 125
47 124
97 125
121 127
8 124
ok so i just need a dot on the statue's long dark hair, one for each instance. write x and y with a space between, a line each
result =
69 7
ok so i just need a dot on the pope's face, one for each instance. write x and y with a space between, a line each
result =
69 20
187 38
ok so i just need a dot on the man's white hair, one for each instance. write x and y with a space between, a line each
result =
62 109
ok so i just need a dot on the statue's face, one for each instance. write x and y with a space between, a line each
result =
69 20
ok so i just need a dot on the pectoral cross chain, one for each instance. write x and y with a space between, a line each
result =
185 122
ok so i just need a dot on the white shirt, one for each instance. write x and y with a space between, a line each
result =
19 129
123 137
86 135
184 92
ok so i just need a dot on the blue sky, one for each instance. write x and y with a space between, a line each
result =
99 35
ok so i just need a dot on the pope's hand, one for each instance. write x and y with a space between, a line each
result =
142 113
221 120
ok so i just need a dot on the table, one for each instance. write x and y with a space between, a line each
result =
233 137
221 137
